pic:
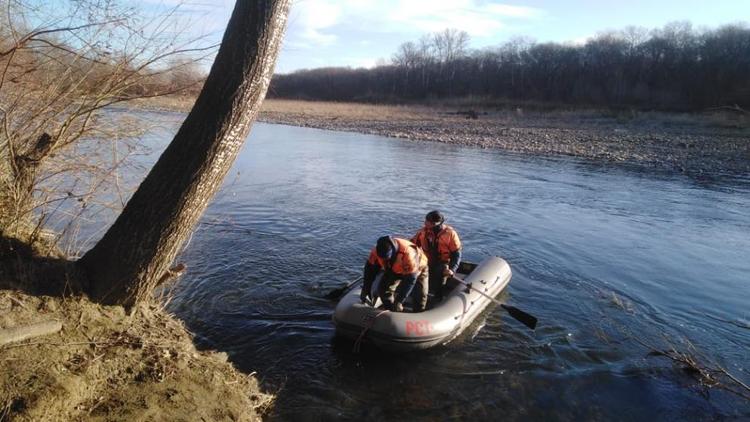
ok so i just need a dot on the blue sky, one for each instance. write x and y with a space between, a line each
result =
360 32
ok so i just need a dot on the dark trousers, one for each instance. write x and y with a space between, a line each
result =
437 280
389 288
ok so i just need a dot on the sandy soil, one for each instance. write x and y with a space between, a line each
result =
707 142
109 366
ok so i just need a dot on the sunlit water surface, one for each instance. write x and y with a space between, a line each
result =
613 261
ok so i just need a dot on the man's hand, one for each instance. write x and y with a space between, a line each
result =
447 272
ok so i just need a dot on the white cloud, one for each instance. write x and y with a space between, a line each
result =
314 23
310 22
476 18
513 11
323 30
196 17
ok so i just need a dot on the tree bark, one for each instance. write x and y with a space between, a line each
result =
126 264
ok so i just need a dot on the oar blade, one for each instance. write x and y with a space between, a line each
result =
521 316
336 293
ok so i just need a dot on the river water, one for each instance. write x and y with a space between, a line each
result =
614 262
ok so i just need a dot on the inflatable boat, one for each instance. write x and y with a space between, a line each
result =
468 295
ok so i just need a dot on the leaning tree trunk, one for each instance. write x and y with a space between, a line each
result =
126 264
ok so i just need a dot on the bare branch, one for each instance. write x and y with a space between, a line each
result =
34 36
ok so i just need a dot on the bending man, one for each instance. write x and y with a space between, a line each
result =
404 268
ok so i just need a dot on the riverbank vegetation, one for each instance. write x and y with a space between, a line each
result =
60 68
677 67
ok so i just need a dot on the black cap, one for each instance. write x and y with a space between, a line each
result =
435 217
385 247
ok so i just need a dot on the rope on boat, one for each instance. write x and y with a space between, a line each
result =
358 342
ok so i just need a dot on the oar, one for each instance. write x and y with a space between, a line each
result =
519 315
338 292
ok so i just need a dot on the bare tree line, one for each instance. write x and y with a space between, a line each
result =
675 67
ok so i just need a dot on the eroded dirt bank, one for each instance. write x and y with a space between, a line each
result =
107 365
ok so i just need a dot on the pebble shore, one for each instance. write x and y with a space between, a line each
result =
683 143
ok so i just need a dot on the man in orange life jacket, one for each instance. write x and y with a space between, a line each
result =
442 246
405 273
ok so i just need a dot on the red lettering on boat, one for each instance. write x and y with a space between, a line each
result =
418 328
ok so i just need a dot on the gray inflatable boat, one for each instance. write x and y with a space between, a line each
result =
444 321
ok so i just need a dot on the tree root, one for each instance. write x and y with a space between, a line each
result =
16 334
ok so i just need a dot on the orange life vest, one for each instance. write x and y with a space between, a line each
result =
408 260
438 247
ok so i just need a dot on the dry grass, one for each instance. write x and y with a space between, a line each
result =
171 103
333 110
503 112
518 114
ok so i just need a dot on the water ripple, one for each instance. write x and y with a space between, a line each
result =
601 255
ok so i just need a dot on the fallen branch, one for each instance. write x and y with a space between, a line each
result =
80 343
706 371
708 374
15 334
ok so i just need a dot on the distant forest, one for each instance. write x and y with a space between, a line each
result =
676 67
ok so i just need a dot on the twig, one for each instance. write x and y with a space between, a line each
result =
733 378
18 302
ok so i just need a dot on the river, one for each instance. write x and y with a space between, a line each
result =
615 262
